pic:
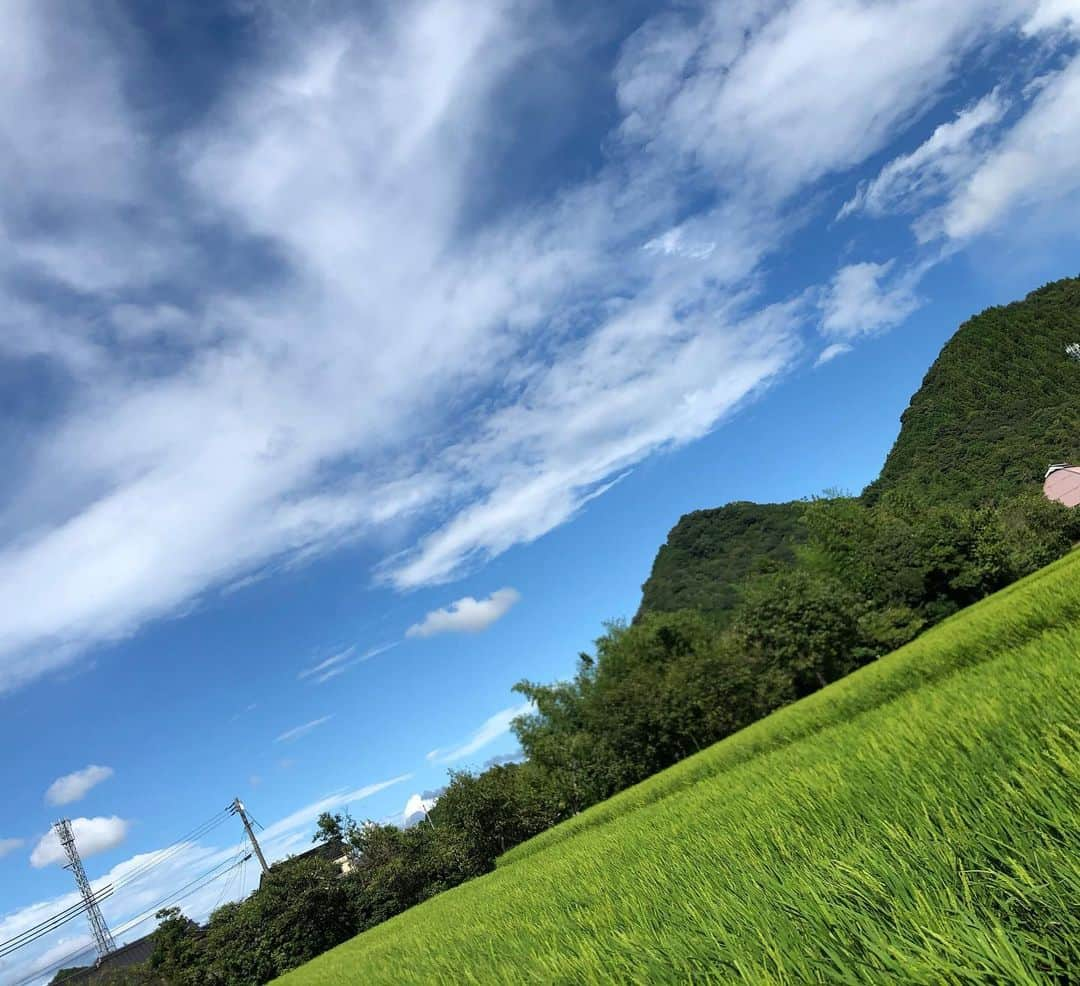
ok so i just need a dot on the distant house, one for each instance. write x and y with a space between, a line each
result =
133 953
1062 484
334 851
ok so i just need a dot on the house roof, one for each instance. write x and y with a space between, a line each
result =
1062 484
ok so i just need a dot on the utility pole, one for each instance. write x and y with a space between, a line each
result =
237 808
103 938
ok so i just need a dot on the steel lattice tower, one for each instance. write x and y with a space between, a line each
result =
102 936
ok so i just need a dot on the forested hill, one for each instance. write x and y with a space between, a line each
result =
999 404
709 552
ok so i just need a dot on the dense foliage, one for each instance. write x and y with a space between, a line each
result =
867 580
710 552
305 905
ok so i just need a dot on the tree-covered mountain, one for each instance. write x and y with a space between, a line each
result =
999 404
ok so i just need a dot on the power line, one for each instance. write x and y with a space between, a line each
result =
41 934
184 892
225 886
50 923
57 966
90 900
172 850
136 921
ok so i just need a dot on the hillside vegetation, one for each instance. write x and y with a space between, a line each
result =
999 404
913 823
709 552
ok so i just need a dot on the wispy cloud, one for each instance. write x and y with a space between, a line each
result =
9 845
829 353
946 158
467 615
297 731
1033 162
306 816
492 728
863 299
333 661
342 661
74 786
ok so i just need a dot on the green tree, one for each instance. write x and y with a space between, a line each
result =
803 627
480 816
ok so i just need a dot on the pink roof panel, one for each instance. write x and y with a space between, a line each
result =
1063 485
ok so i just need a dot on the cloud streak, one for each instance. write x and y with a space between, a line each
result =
9 845
948 156
491 729
291 735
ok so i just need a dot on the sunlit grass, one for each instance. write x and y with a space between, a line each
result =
918 822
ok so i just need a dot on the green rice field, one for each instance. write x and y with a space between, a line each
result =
917 822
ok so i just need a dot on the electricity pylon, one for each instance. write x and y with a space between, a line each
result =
103 938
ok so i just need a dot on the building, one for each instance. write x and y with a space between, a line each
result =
333 851
1062 484
136 952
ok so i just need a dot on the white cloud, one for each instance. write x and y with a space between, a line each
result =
72 787
776 95
1033 164
948 156
1053 14
467 615
7 845
831 352
92 836
493 727
81 945
861 300
290 419
416 808
297 731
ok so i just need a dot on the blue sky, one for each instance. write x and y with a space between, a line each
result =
356 359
